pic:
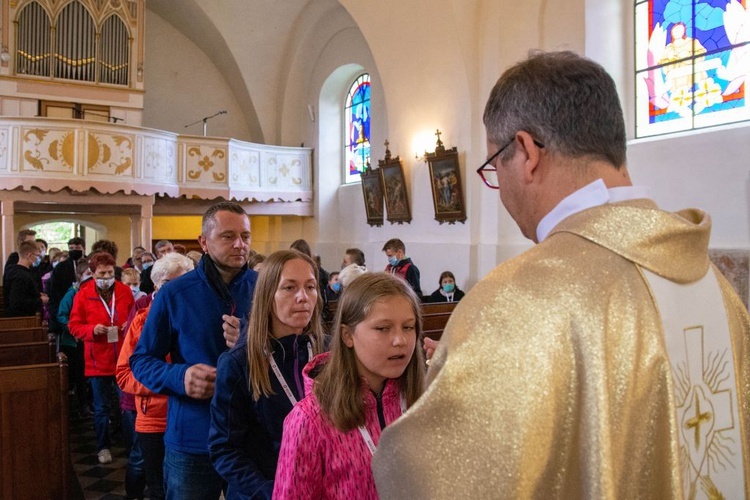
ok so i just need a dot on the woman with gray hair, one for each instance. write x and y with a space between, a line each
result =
151 417
350 272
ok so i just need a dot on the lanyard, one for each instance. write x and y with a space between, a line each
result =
280 376
366 434
111 312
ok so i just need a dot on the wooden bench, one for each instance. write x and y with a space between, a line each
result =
15 322
434 318
27 353
15 336
34 447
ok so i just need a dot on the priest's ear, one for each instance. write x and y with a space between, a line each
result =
532 151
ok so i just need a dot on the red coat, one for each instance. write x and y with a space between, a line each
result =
88 311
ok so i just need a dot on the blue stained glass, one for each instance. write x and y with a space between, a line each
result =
357 141
696 52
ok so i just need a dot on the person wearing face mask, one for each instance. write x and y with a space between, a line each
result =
400 265
71 346
132 279
147 261
333 289
100 308
62 277
20 287
448 290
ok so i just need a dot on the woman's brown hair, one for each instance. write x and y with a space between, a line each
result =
338 385
261 318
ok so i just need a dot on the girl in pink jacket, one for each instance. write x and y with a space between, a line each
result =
372 374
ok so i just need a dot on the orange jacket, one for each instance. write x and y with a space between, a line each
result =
151 408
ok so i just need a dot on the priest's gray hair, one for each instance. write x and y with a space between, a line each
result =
565 101
170 266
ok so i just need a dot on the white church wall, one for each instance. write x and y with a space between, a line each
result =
182 86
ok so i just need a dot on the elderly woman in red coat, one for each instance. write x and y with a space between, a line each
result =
100 309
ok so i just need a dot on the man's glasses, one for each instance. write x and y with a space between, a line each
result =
488 172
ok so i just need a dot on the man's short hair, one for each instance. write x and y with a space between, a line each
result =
209 217
22 235
27 247
161 244
357 255
77 241
108 246
567 102
395 245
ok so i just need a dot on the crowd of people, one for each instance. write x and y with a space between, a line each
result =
574 370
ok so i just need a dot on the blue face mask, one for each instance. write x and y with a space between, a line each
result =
146 265
392 261
37 261
336 287
448 287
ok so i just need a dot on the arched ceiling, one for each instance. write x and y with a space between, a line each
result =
249 43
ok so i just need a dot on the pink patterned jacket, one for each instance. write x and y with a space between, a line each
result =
317 460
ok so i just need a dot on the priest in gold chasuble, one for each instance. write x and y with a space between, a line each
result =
612 360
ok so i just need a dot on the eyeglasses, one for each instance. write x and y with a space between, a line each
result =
488 172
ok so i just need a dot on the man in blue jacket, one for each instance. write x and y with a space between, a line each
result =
193 319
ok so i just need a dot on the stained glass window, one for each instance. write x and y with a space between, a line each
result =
692 62
357 129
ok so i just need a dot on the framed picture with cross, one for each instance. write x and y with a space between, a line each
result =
372 192
394 188
447 188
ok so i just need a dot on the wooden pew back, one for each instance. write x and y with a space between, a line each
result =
434 318
18 335
20 322
34 447
27 353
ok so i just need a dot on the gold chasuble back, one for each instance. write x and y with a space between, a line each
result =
558 378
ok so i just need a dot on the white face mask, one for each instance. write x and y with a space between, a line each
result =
105 283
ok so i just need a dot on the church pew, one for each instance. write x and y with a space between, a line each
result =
27 353
34 447
19 335
20 322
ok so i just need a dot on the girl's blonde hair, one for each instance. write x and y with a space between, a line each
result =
261 318
338 385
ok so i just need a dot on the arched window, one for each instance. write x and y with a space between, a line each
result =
357 128
692 60
33 41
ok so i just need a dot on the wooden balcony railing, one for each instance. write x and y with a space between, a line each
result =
51 154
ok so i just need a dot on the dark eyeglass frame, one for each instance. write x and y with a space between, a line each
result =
488 167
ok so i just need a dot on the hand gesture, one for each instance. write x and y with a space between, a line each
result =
231 328
199 381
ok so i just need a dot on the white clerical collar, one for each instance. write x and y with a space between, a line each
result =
589 196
